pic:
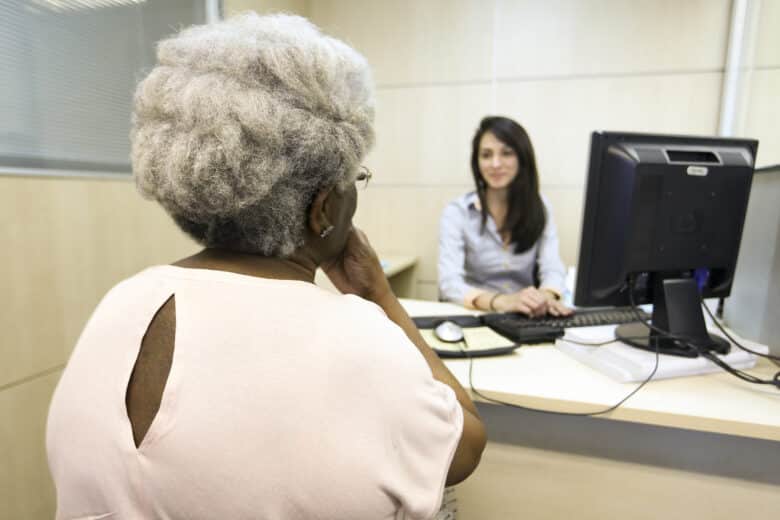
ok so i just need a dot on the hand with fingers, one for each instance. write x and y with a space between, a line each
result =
556 307
357 269
532 302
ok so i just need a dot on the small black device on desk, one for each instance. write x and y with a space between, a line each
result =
528 331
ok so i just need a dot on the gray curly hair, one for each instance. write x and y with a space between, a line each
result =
243 121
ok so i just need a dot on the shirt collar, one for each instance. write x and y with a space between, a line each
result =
472 201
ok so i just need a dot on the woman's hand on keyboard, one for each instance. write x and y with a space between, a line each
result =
557 308
531 302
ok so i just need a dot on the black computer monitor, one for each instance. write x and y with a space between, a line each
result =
662 224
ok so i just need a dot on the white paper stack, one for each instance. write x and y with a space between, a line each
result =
625 363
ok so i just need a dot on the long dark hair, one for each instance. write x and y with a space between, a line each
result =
526 216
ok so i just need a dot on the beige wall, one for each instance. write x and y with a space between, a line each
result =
562 68
231 7
65 243
762 112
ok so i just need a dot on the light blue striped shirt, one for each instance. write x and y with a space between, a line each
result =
471 262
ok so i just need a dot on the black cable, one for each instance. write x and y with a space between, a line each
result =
735 342
719 310
602 343
551 412
750 378
587 344
775 381
679 339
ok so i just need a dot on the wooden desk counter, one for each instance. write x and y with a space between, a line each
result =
703 446
541 376
395 264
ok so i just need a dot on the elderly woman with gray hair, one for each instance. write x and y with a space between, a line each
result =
228 385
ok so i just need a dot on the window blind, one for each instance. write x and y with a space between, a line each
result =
68 70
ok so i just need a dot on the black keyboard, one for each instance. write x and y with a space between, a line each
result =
522 329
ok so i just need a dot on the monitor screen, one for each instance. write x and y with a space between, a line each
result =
662 209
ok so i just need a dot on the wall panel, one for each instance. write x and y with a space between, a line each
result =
423 134
564 38
567 207
231 7
562 68
763 114
768 36
26 489
405 220
561 114
70 240
414 42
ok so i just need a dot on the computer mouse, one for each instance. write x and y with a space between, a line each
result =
448 332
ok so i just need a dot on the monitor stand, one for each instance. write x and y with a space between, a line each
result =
676 309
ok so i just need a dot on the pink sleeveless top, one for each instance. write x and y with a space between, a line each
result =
284 401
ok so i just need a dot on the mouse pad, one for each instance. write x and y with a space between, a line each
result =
479 341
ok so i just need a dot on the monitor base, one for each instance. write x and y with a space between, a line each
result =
639 336
676 310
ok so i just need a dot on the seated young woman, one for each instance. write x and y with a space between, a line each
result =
498 246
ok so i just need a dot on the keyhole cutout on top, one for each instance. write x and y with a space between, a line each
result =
151 370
